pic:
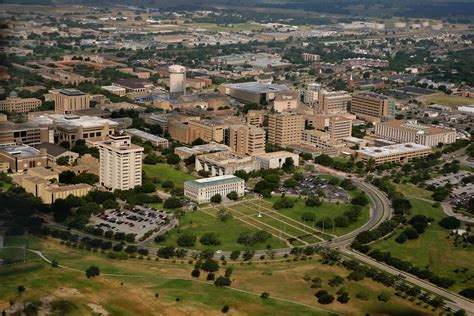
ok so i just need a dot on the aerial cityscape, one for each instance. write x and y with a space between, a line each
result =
237 157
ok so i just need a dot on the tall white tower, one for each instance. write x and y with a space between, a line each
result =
177 79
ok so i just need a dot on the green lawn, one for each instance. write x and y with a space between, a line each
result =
327 209
197 223
433 248
166 172
408 189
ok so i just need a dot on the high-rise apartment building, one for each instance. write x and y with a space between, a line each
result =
334 102
285 129
255 118
120 163
245 139
371 106
69 100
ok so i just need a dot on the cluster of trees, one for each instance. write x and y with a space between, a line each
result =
418 224
170 252
340 164
270 182
283 203
406 266
70 177
293 181
250 238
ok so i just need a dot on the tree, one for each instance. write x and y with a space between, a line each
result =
313 201
289 165
384 296
62 161
224 215
211 276
242 174
166 252
92 271
210 265
336 281
468 292
195 273
361 199
21 289
225 309
265 295
234 255
222 281
151 159
290 183
198 141
67 177
172 202
450 222
343 298
217 198
172 159
209 239
233 196
228 272
186 240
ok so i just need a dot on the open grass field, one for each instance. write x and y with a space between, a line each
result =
326 210
200 222
129 287
433 248
411 190
445 99
166 172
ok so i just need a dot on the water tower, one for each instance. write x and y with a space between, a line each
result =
177 79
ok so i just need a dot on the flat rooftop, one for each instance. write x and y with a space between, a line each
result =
415 127
257 87
72 121
371 95
208 182
21 151
71 92
395 149
145 135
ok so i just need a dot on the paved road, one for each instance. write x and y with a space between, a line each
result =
453 300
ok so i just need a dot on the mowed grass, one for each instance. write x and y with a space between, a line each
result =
408 190
326 210
446 99
198 223
135 294
166 172
433 248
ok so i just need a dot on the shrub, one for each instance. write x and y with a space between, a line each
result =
92 271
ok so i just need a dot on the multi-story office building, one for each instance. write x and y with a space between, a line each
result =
311 94
22 157
245 139
16 104
69 100
337 126
371 106
403 131
24 133
398 153
70 128
225 162
285 128
202 190
255 118
120 163
319 139
310 57
334 102
207 130
156 141
286 101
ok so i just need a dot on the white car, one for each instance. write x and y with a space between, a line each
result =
218 251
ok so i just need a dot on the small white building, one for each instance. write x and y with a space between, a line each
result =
156 141
120 91
202 190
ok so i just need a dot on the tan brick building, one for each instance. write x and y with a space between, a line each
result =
371 106
15 104
245 139
285 128
69 100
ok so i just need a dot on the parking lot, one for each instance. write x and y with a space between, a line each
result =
453 178
137 221
314 185
461 192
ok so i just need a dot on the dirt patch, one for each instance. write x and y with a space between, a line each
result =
98 309
66 291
